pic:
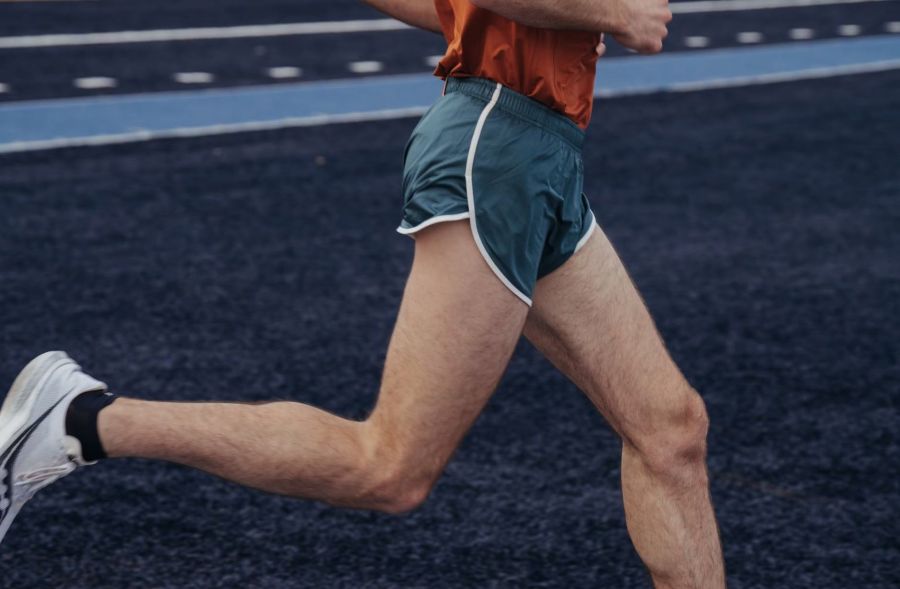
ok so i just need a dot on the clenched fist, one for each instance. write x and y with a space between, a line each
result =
645 25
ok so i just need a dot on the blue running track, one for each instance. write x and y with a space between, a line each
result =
25 126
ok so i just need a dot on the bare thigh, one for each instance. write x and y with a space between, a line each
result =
591 323
455 332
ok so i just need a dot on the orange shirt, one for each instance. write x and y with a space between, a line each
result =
553 67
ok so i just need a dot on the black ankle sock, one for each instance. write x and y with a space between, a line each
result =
81 422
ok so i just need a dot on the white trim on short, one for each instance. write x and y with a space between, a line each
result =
470 195
586 236
432 221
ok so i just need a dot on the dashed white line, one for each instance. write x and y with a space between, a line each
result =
892 27
193 77
433 60
3 88
749 37
365 67
284 72
801 34
94 83
849 30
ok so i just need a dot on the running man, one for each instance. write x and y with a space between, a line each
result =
505 245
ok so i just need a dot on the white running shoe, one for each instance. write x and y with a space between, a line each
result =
34 448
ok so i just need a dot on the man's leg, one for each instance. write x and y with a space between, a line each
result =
589 320
456 330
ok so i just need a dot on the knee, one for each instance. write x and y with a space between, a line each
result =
672 441
396 491
394 480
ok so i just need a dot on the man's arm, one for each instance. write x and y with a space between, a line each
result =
582 15
418 13
636 24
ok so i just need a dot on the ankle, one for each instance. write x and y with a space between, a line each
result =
113 425
81 422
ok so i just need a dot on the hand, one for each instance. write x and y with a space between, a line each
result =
645 25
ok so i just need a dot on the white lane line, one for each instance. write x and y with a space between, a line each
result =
3 88
849 30
365 67
749 37
433 60
810 74
892 27
200 33
284 72
193 77
741 5
345 26
227 129
94 83
801 34
696 42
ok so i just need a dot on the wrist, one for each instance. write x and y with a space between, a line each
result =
618 20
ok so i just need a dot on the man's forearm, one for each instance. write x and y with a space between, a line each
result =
609 16
418 13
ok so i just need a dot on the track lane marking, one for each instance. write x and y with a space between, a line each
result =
365 67
696 42
346 26
47 124
193 77
849 30
204 33
704 6
284 72
801 34
749 37
94 82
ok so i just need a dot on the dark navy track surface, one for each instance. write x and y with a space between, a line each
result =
41 18
759 223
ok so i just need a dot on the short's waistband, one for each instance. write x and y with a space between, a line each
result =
519 104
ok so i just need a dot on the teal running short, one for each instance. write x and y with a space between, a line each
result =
509 165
